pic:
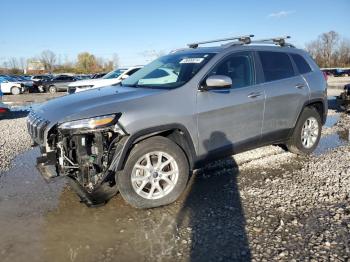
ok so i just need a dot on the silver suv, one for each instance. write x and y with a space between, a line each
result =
144 136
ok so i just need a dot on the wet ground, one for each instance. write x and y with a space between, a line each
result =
42 221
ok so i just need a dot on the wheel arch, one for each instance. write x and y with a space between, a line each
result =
175 132
317 104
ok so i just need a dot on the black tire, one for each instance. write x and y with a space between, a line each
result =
52 89
295 144
15 90
98 197
153 144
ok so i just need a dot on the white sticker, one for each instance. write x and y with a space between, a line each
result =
191 60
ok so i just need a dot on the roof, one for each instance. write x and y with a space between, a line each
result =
239 42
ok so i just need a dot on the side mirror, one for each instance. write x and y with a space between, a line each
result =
217 82
124 77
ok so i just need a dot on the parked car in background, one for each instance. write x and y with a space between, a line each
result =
98 75
3 108
82 77
56 84
160 76
9 85
112 78
37 78
344 98
336 72
28 83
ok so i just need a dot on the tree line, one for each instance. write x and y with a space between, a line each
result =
86 63
330 49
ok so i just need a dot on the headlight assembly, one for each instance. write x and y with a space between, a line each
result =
91 123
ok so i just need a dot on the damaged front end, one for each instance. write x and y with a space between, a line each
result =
84 151
344 98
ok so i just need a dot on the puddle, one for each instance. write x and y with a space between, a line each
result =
332 120
47 220
332 141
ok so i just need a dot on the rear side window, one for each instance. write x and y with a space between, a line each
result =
276 65
302 65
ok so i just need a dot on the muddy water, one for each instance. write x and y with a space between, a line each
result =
341 138
46 222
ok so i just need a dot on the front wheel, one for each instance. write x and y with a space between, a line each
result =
15 90
155 174
307 133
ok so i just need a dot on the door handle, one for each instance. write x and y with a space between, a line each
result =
254 95
299 86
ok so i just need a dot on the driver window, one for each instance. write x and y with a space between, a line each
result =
239 67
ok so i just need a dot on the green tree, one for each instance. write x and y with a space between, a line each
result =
87 63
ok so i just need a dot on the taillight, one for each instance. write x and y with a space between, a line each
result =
3 110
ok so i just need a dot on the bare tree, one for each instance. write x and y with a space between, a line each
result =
115 60
327 51
22 63
13 63
344 53
329 42
48 58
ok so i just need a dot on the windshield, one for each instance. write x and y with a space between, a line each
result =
114 74
169 71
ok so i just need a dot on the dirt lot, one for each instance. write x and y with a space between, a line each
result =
262 205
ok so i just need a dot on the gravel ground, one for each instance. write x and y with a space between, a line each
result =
262 205
14 138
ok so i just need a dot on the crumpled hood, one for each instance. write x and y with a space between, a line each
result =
91 103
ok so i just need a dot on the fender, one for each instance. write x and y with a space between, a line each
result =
307 103
186 145
317 100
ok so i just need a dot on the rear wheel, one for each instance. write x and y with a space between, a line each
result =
155 174
52 89
307 132
15 90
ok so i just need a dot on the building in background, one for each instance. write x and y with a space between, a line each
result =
35 67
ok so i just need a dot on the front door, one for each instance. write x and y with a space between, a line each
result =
231 119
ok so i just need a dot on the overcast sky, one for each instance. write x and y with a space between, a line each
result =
135 29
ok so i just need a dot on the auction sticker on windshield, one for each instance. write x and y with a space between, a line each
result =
192 60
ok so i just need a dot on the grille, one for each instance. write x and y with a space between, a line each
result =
36 127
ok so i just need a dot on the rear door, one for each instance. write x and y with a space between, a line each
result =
231 119
286 92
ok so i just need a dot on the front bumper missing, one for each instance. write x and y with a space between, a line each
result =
46 165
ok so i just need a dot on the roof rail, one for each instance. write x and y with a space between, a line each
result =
245 39
281 41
